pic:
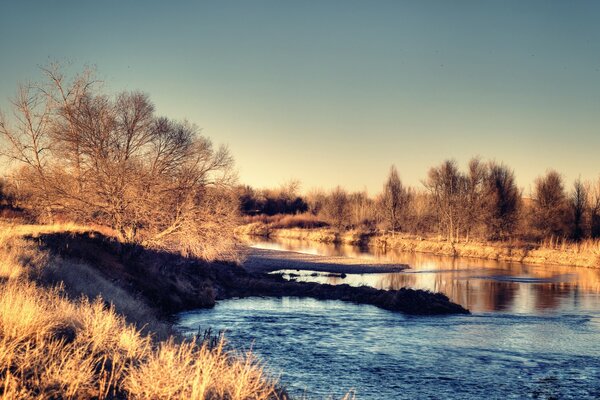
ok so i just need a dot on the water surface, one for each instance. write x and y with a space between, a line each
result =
534 332
479 285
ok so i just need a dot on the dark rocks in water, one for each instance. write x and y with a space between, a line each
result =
170 283
335 275
314 274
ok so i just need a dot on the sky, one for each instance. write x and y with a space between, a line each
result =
334 92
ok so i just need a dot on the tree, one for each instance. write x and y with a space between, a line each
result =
447 188
474 186
393 201
594 209
316 200
111 161
337 210
578 200
550 212
501 201
361 210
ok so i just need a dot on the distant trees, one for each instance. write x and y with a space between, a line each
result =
550 205
446 185
594 208
336 209
481 202
112 161
502 201
362 210
474 198
284 200
578 201
316 200
394 201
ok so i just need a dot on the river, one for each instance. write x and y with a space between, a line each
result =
534 331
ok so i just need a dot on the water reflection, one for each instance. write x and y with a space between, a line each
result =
479 285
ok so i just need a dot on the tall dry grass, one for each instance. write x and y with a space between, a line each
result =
287 221
554 251
52 346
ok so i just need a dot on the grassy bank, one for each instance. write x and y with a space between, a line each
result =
57 340
583 254
84 316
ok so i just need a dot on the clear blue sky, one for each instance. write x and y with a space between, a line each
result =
335 92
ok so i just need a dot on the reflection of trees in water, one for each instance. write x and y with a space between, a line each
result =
498 296
469 282
548 296
476 294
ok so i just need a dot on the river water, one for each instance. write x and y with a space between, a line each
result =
534 332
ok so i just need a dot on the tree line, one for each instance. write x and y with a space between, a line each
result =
85 156
481 202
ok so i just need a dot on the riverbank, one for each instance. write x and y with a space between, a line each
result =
99 315
69 330
264 260
585 254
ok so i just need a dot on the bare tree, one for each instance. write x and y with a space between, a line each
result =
337 210
316 200
361 210
474 186
594 208
421 215
110 160
447 188
550 205
393 201
578 200
502 201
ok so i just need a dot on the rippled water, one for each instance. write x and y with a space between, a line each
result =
534 333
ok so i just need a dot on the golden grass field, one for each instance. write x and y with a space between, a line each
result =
54 346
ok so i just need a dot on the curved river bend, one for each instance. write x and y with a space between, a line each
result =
534 332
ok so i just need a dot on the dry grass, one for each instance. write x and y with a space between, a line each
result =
198 368
287 221
10 230
584 246
55 347
18 255
555 251
582 254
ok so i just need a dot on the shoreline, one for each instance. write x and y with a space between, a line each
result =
168 283
265 260
50 276
571 255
